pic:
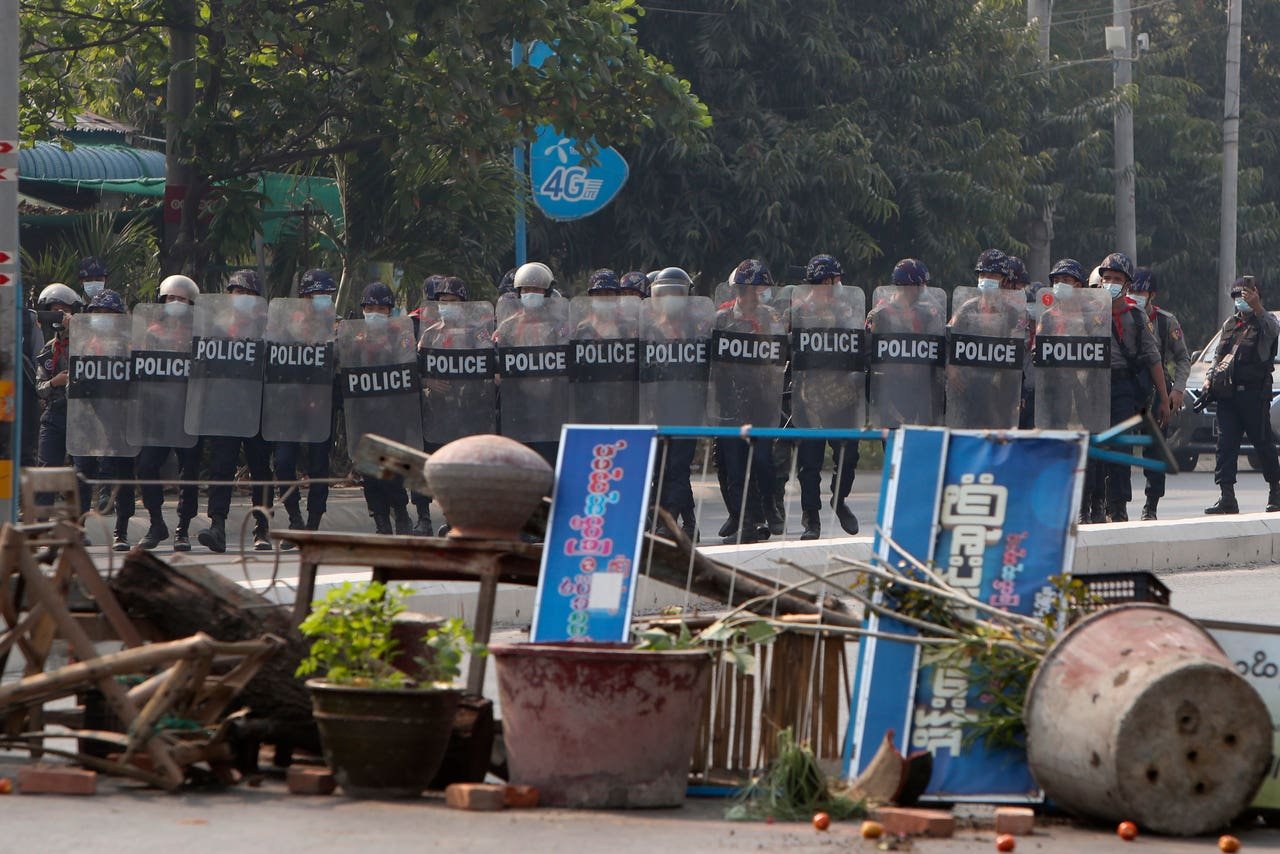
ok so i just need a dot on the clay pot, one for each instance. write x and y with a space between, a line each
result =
488 486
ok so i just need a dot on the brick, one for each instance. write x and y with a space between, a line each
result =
1016 821
522 797
310 780
916 822
475 796
56 780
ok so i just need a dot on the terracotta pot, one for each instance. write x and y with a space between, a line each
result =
488 486
600 725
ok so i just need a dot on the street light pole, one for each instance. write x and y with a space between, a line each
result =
1230 162
1126 213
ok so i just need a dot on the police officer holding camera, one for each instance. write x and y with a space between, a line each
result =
1240 384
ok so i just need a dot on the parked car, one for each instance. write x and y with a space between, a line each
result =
1194 433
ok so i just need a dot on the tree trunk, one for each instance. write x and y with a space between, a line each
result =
180 99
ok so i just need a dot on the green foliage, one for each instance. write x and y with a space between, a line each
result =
352 642
125 243
793 788
734 639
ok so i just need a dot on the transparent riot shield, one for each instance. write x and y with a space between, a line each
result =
297 388
748 363
828 357
907 353
1073 362
224 394
776 297
604 359
986 351
98 386
379 380
161 358
532 345
456 358
675 360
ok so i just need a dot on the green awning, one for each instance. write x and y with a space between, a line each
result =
132 186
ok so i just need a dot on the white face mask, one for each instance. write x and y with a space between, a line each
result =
99 321
243 303
173 308
93 288
1063 291
988 284
322 302
375 318
1242 306
766 295
1140 299
532 299
1114 288
450 313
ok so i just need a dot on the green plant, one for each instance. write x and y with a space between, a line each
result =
352 643
732 638
793 788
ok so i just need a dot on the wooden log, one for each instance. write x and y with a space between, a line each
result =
181 599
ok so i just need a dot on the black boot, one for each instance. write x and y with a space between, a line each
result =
404 525
775 514
1149 509
156 534
261 542
382 523
214 537
848 521
121 541
730 526
422 528
313 521
181 539
1097 511
1227 503
1117 512
1273 498
812 526
296 522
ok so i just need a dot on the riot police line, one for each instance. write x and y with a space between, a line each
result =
235 373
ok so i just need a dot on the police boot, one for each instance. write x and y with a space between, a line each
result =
812 526
313 521
848 521
404 525
1097 511
1149 509
775 516
181 540
422 528
1117 512
261 542
296 522
121 541
156 534
1227 504
382 523
730 526
1273 498
214 537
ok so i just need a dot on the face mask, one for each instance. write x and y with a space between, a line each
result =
1115 289
450 313
322 302
176 309
1140 299
374 318
988 284
243 303
1063 291
1242 306
92 289
99 321
532 299
766 295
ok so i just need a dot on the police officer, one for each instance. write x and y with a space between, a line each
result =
52 372
1136 370
93 277
319 287
637 284
178 295
914 393
1250 334
1177 367
824 311
224 455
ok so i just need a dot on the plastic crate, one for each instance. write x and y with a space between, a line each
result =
1116 588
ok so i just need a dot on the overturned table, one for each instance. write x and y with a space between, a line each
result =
487 562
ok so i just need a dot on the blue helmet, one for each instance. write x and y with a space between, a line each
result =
317 282
451 285
508 283
92 269
1144 281
751 272
1120 263
431 287
107 302
245 280
635 281
1068 267
992 261
1017 271
377 293
603 281
910 271
822 267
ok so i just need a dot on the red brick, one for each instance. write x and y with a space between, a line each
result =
476 796
56 780
916 822
309 780
522 797
1016 821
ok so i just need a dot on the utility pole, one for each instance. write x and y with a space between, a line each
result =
1230 161
1040 239
1122 63
10 273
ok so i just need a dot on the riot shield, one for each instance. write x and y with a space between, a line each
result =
675 360
604 359
378 376
986 351
748 364
532 346
224 394
161 365
907 352
828 357
775 297
98 386
297 388
456 358
1073 362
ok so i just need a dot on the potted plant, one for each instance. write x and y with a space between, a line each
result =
384 734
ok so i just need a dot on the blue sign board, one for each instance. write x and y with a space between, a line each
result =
564 185
594 534
1000 528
